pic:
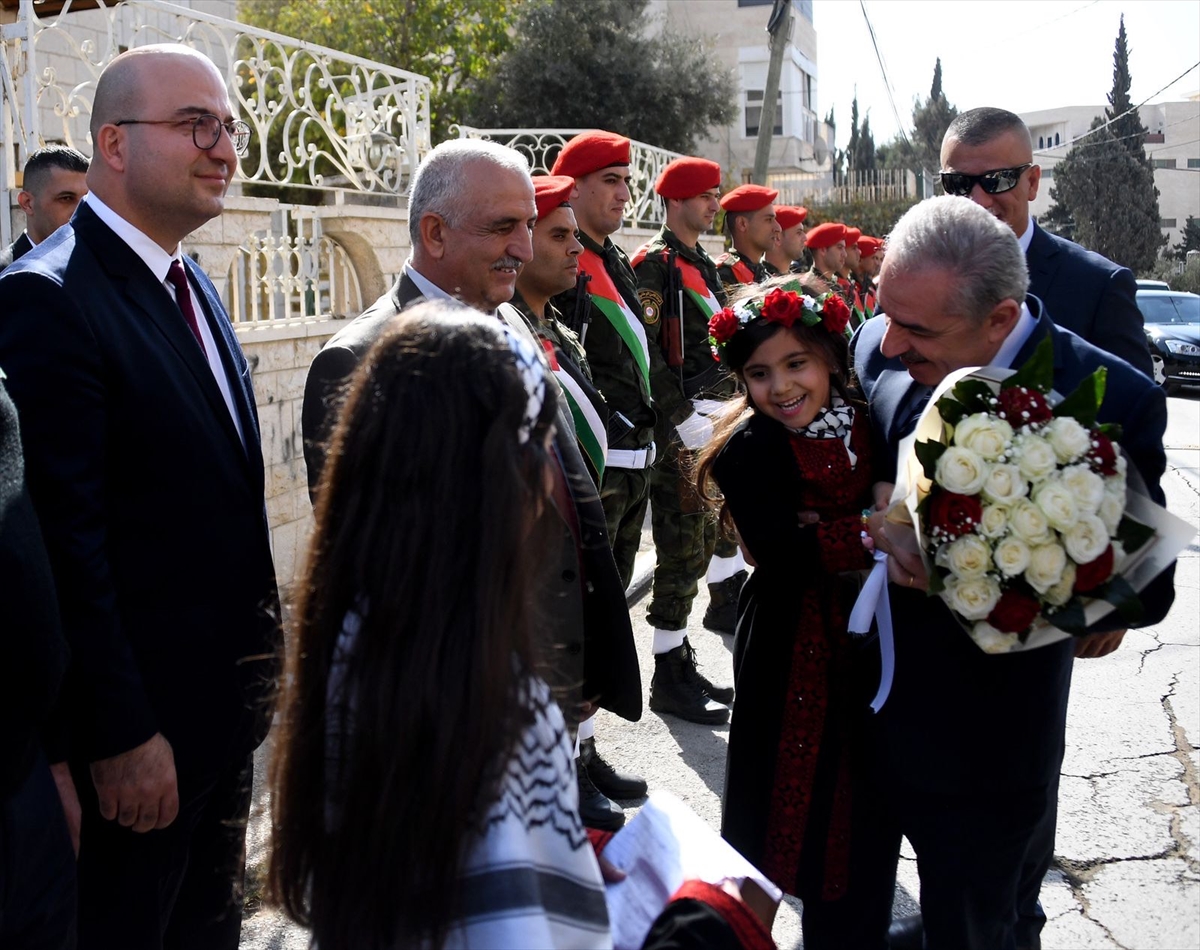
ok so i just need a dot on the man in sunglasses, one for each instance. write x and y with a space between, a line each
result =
987 156
145 466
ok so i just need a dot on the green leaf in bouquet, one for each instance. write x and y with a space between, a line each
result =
1084 403
975 395
928 454
937 583
1070 617
951 410
1125 599
1133 534
1113 430
1037 372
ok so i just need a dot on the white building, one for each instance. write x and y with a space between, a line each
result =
1172 145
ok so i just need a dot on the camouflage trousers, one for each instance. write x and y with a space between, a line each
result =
624 495
685 538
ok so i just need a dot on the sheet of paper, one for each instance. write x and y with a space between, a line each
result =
665 844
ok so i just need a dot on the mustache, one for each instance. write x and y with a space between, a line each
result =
504 262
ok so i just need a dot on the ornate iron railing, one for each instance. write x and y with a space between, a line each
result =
541 147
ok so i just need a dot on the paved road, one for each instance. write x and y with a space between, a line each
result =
1127 872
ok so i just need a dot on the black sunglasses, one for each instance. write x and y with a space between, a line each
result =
995 182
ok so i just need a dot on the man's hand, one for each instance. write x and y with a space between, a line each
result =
70 800
1098 644
138 788
883 494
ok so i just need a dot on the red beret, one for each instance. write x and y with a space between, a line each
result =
789 217
852 236
551 191
589 152
748 198
868 245
825 235
688 177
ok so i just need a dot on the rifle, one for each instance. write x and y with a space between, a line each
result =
581 313
672 328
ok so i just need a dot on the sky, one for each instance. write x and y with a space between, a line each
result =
1021 55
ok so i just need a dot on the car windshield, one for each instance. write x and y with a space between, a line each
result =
1170 308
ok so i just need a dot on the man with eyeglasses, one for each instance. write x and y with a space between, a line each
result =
987 156
145 467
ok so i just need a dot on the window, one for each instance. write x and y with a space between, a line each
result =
1167 223
754 101
1194 163
1056 138
1041 142
1163 163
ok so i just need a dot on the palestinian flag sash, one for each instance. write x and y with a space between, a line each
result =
609 301
589 430
697 287
741 270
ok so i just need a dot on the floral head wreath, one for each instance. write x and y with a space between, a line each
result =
785 305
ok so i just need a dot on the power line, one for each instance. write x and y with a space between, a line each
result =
1119 138
887 83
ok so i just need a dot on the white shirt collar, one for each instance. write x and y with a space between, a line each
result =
429 290
1027 238
154 257
1016 339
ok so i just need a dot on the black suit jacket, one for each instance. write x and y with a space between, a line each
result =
151 506
1088 295
959 719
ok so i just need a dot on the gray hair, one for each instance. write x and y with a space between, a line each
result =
441 182
979 252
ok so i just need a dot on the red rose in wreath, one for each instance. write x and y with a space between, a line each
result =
1103 454
782 307
723 325
951 515
1015 611
1022 406
835 314
1094 573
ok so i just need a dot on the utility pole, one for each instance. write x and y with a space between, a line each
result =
779 28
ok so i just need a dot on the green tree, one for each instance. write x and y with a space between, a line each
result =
1189 239
922 150
876 218
453 42
605 64
860 153
1124 121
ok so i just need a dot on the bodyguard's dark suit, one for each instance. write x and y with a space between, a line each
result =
18 249
152 510
970 745
592 631
1089 295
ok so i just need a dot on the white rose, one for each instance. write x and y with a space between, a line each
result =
969 556
1057 504
1086 540
1119 556
1035 457
991 640
1115 485
961 471
1086 486
1028 522
984 434
994 521
1069 439
974 599
1112 509
1058 594
1011 556
1046 565
1005 484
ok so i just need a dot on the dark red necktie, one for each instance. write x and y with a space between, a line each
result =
183 296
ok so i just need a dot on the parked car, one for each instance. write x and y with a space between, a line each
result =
1153 285
1172 320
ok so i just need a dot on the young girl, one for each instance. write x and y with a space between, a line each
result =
795 443
423 789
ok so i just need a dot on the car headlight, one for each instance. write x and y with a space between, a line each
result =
1180 348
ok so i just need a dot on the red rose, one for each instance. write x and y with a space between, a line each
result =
1091 575
723 325
835 314
782 306
950 515
1015 611
1021 406
1103 454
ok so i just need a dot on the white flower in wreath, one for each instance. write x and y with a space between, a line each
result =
1112 509
994 522
984 434
1035 457
1011 556
1058 594
1086 486
1046 565
1068 438
991 640
1029 523
1057 503
1005 484
961 471
1087 539
969 556
972 599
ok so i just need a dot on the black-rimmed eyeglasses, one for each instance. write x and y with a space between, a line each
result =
206 130
995 182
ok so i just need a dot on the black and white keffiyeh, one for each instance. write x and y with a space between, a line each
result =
835 422
533 375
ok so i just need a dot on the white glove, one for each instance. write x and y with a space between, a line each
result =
708 407
695 431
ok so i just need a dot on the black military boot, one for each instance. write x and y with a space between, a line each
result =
720 694
607 779
721 614
595 809
676 688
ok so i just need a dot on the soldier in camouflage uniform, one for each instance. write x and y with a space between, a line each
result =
827 244
752 229
789 244
679 292
870 254
846 279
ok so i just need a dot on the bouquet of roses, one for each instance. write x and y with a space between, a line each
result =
1024 511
